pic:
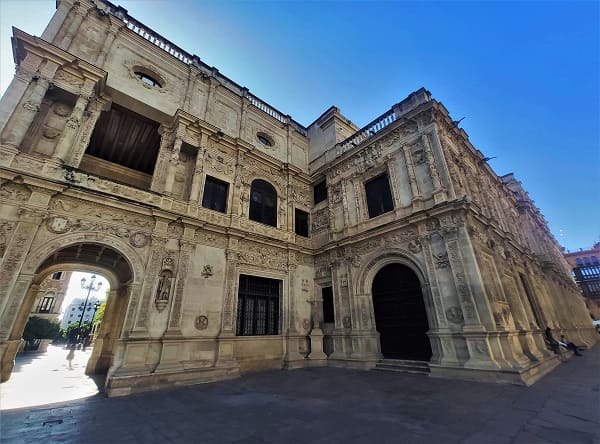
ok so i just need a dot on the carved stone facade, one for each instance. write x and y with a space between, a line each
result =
124 155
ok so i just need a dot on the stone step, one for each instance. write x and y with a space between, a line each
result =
403 365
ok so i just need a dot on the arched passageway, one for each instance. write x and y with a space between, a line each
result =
89 257
400 315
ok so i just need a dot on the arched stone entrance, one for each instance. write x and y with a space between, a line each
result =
400 315
103 255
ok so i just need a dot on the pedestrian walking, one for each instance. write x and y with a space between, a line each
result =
70 356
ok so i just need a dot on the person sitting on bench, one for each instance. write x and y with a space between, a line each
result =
569 345
554 344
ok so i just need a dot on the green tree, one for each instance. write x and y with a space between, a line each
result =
99 314
37 329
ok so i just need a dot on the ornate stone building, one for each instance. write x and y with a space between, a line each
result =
232 235
50 296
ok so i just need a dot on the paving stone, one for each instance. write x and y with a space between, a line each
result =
328 405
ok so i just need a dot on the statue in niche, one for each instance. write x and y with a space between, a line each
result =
163 290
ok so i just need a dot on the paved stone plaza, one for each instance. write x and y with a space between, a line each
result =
328 405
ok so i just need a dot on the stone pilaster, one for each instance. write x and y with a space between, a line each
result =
65 144
24 115
439 192
110 38
198 175
185 254
162 160
172 165
417 199
89 123
80 13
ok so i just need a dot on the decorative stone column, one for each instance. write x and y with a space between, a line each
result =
185 253
95 108
417 199
198 173
225 356
439 192
172 165
64 145
80 13
110 38
23 117
161 167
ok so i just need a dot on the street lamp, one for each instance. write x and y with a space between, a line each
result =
89 287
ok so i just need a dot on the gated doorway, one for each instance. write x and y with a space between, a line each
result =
400 315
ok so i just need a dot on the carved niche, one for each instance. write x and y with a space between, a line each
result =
165 283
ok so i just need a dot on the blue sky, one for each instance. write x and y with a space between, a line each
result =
525 74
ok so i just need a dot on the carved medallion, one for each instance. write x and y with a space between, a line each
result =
138 240
58 225
454 315
201 323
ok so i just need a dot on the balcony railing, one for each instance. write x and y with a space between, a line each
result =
366 132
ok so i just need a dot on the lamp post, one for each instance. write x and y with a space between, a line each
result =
89 287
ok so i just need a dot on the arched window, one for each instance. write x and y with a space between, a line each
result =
263 203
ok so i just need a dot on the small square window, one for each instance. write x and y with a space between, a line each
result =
320 192
379 195
57 276
215 194
301 223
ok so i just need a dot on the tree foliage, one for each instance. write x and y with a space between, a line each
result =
40 328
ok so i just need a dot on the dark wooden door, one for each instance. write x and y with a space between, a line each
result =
400 314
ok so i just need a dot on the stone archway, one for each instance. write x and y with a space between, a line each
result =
102 254
400 315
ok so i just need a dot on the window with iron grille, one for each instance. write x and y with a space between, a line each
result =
301 223
379 196
46 304
320 192
215 194
263 203
258 306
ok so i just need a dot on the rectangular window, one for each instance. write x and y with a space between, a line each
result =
328 313
379 195
258 306
215 194
301 223
57 276
46 304
320 192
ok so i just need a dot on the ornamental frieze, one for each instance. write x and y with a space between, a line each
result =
210 238
219 162
15 190
77 207
108 186
262 255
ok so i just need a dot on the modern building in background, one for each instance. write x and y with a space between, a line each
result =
236 239
73 311
585 265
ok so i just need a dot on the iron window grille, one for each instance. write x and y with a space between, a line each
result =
258 306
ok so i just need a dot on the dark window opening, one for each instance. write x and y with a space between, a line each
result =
328 312
258 306
148 80
215 194
320 192
263 203
301 223
264 139
46 304
379 196
124 147
57 276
